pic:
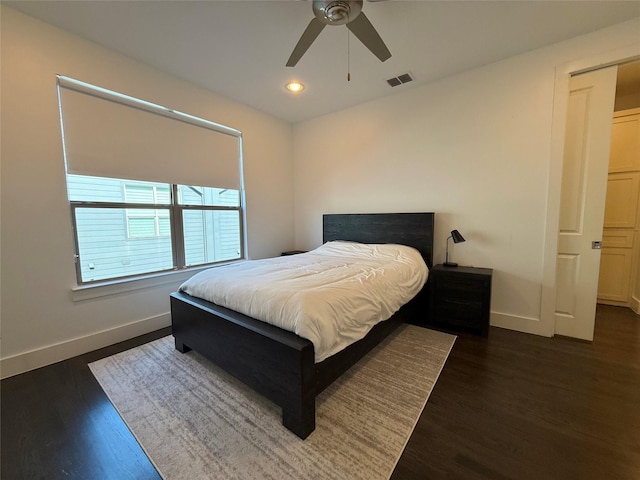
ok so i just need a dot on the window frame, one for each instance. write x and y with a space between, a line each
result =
176 227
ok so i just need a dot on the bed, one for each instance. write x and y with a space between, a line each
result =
277 363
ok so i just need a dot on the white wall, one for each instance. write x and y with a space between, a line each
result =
41 322
474 148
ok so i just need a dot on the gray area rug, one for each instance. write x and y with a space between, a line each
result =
195 421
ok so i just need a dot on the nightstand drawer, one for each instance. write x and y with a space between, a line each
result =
453 288
460 313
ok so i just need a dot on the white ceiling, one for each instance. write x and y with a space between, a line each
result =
239 48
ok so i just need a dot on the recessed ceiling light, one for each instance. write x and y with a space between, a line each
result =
295 87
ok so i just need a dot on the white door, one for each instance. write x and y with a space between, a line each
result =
582 200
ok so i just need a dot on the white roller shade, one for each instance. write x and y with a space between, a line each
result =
110 135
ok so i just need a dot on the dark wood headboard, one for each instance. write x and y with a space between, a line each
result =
413 229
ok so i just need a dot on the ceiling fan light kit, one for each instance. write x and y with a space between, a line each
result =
340 12
337 12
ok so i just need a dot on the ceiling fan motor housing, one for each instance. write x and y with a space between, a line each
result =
336 12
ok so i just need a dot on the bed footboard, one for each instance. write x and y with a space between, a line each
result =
275 363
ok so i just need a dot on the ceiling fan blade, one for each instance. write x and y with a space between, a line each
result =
362 28
310 34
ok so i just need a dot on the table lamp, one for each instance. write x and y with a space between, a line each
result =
457 238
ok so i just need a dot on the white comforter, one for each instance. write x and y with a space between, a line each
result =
332 295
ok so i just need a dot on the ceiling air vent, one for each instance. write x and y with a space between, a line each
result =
400 79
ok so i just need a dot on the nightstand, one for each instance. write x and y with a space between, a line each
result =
460 298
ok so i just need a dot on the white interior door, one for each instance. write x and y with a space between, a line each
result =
582 201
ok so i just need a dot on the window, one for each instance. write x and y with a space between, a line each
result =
126 225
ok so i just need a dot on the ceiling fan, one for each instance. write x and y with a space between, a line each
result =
340 12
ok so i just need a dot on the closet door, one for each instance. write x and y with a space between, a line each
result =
621 237
625 141
621 206
614 283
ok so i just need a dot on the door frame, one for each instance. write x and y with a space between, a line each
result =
558 127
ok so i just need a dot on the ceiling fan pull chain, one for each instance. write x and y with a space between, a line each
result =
348 55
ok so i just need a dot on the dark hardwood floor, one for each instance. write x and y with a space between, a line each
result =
57 423
520 406
511 406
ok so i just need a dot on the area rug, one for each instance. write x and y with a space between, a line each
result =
195 421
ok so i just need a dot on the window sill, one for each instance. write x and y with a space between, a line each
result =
116 287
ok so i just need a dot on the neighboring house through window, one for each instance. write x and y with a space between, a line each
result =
142 223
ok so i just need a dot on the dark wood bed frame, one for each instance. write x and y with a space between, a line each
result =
277 363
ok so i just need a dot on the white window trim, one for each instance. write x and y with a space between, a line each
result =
80 293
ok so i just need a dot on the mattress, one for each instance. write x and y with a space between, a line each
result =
332 295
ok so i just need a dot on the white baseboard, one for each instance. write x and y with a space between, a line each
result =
23 362
519 323
634 304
